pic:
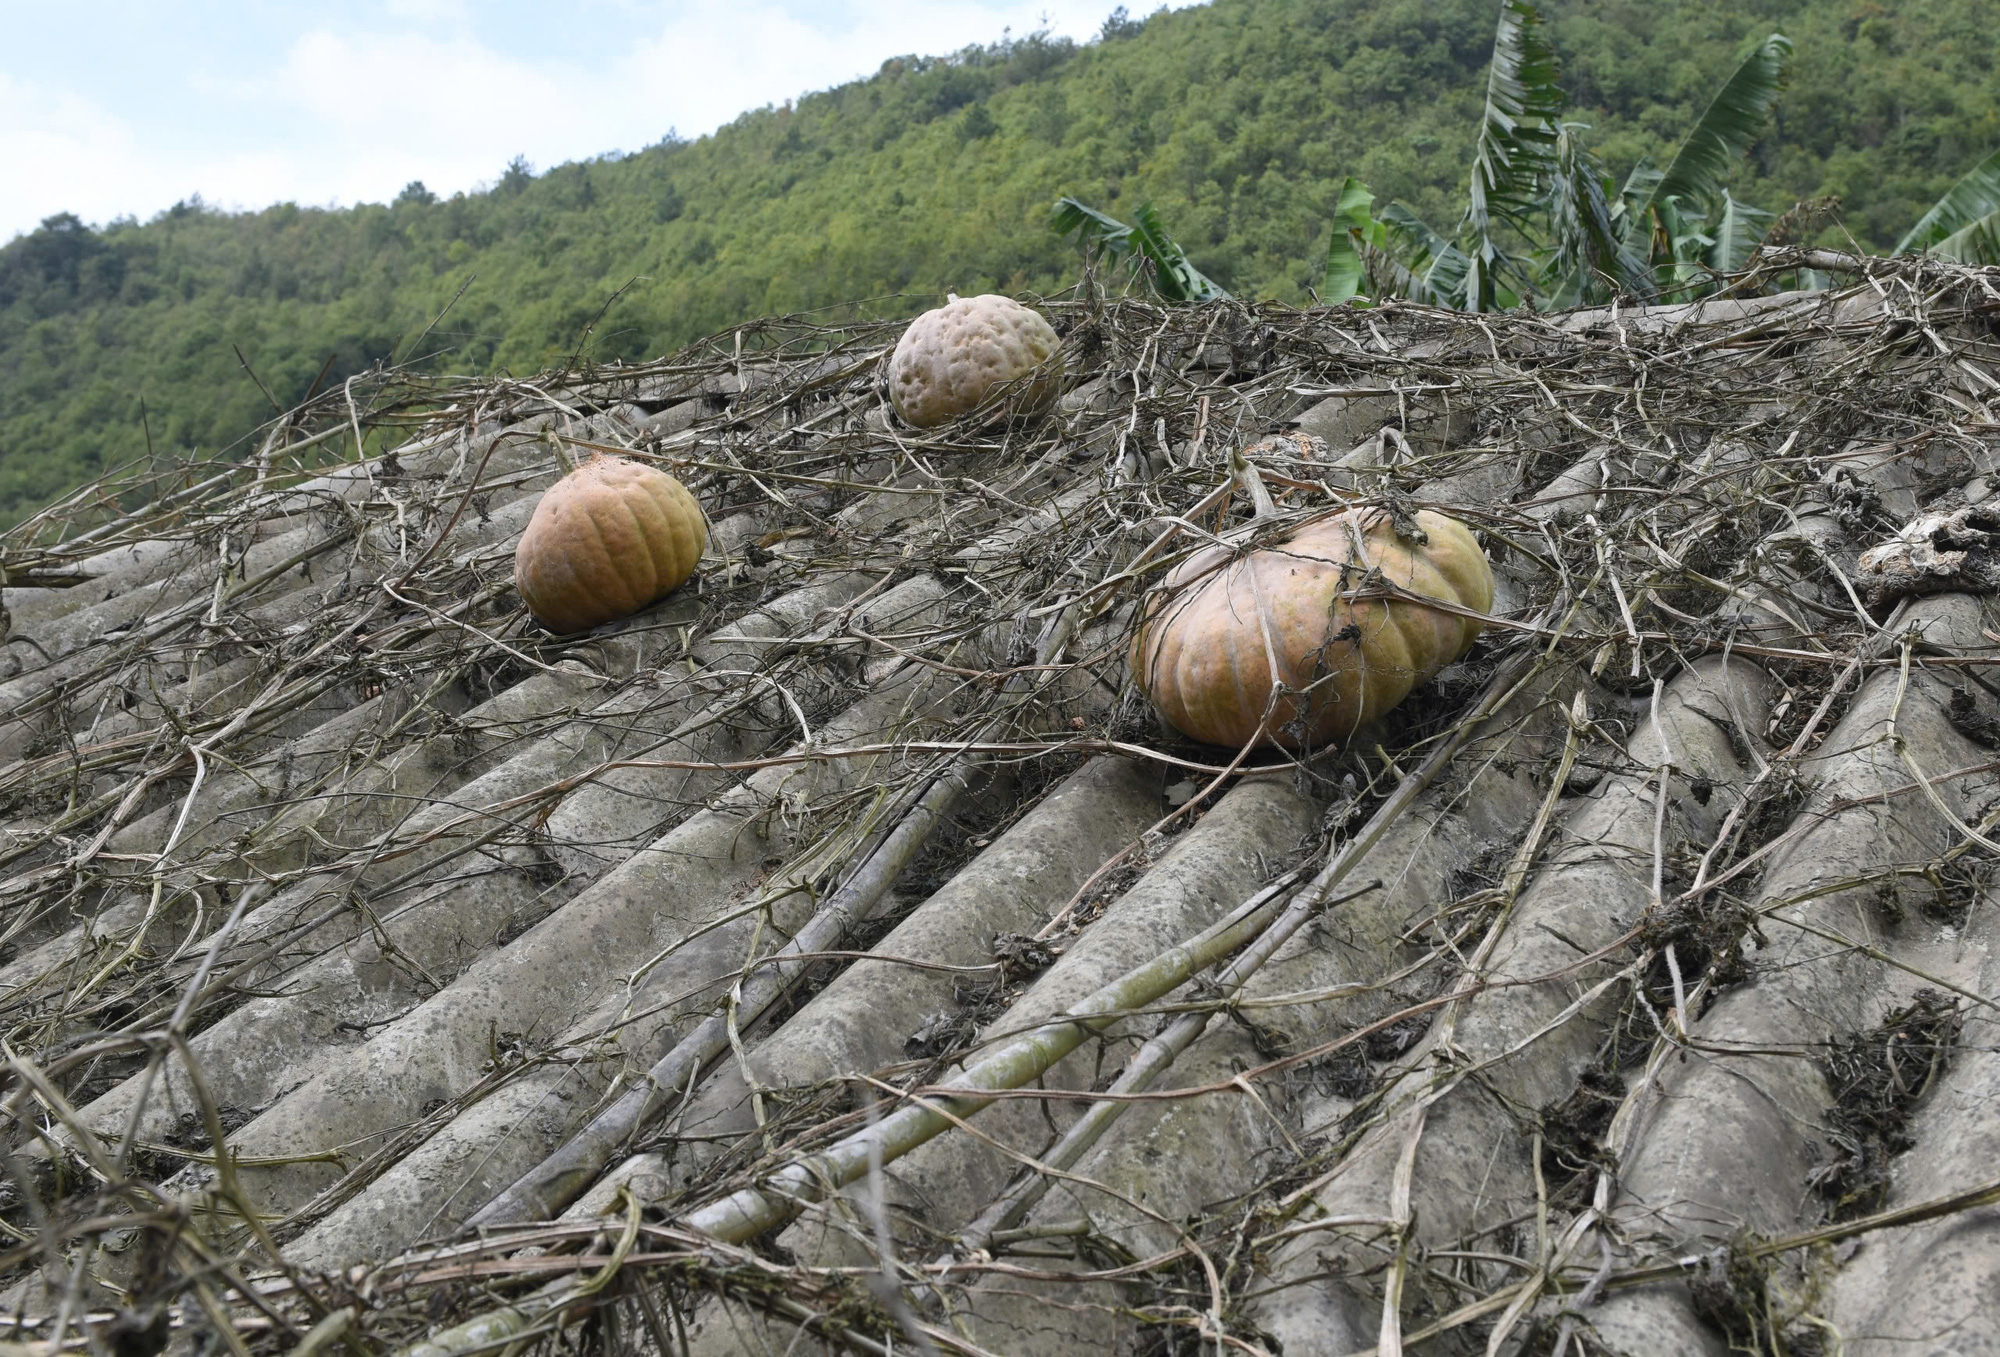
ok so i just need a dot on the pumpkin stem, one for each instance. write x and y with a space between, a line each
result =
1252 483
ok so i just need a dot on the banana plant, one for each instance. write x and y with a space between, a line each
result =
1683 218
1356 235
1584 254
1964 225
1144 246
1512 157
1543 224
1478 268
1739 230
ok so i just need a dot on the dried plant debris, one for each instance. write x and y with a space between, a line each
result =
1737 1291
1877 1078
840 955
1942 552
1974 718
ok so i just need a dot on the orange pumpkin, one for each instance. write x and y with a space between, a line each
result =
1204 646
606 540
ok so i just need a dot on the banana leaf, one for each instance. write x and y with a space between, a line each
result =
1145 246
1976 242
1354 229
1973 199
1731 124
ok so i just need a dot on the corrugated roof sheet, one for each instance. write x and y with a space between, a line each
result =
1626 991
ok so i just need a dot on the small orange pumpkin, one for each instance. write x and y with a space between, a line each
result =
1204 646
606 540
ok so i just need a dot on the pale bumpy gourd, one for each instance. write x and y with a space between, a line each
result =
1200 653
951 359
605 541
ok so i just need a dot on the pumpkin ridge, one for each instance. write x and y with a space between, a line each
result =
1249 703
1256 678
1427 581
665 540
684 509
648 553
1255 706
602 579
668 546
1177 661
621 518
574 566
1471 586
565 567
674 541
690 536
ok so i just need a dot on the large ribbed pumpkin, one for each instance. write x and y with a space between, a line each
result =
1200 651
606 540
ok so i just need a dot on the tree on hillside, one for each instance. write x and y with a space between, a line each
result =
1545 225
1663 235
62 256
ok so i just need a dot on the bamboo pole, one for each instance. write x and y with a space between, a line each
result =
1157 1055
751 1211
560 1179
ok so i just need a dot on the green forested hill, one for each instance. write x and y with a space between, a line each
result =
1237 119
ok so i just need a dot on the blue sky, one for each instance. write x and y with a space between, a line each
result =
113 108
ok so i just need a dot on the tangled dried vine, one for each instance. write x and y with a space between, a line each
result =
840 947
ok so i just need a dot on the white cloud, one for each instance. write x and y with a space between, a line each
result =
716 58
385 109
52 136
428 11
352 114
